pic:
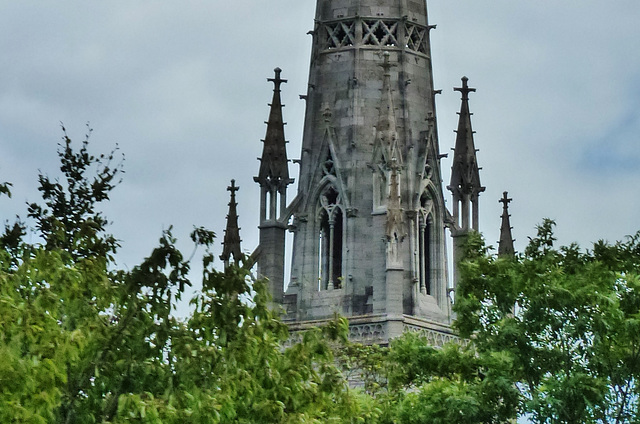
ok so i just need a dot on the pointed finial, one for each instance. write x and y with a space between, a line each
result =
277 81
505 200
465 89
231 242
505 245
273 162
386 128
465 175
233 188
386 64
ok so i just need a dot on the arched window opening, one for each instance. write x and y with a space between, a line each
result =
425 246
271 205
323 257
267 207
336 275
276 205
330 235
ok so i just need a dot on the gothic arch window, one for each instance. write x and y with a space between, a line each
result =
330 235
426 245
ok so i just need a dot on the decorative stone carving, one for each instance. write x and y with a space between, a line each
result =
376 332
367 333
379 33
435 338
339 34
416 38
375 32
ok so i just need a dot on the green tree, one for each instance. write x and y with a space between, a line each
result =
56 297
452 384
84 342
567 320
553 333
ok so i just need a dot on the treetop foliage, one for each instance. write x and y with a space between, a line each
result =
552 334
83 341
69 219
568 320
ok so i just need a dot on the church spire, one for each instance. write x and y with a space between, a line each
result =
465 173
505 245
274 168
273 178
273 175
231 243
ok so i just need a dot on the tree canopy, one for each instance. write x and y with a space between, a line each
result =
82 341
552 334
567 321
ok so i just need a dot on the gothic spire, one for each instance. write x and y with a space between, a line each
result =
465 175
274 169
386 128
231 243
505 245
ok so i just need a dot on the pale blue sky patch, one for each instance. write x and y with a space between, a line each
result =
617 151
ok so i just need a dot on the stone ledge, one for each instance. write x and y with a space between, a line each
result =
381 328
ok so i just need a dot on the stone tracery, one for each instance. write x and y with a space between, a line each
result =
373 32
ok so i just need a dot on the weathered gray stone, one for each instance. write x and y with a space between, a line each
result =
369 216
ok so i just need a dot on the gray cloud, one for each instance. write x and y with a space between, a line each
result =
181 87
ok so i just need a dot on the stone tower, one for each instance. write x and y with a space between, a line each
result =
273 178
369 217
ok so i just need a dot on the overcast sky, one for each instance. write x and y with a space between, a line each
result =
181 87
